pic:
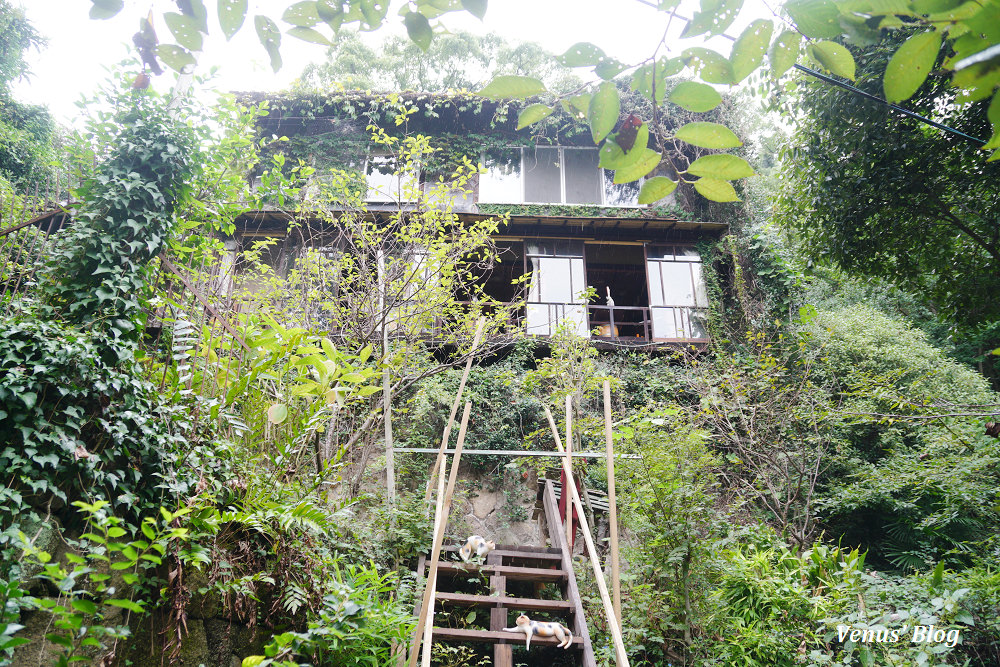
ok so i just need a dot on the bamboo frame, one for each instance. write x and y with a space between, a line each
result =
621 657
425 622
616 584
454 410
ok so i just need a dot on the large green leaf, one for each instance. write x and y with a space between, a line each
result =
708 135
419 30
708 65
602 114
475 7
993 115
185 30
196 10
232 14
713 17
748 51
609 68
309 35
533 113
106 9
715 190
270 39
581 54
512 86
819 19
303 14
647 161
722 166
653 77
834 58
174 56
784 52
277 413
612 156
331 12
655 189
694 96
910 65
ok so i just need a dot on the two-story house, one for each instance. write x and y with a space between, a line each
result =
570 226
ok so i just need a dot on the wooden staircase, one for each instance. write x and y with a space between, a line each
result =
538 565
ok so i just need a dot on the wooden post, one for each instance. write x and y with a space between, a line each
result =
425 622
616 585
569 473
621 657
502 654
454 410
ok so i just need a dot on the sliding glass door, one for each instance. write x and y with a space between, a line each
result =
556 285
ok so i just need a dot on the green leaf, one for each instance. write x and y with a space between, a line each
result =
532 114
784 52
721 166
126 604
331 12
748 51
302 14
175 57
938 576
309 35
419 30
232 14
647 162
475 7
655 189
819 19
512 86
708 135
609 68
708 65
834 58
86 606
270 39
277 413
715 190
694 96
714 17
993 115
910 65
581 54
115 531
106 9
611 155
602 114
185 30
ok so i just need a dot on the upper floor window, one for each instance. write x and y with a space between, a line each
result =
386 182
554 175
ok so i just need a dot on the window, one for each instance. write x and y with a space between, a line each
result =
557 280
677 299
554 175
384 184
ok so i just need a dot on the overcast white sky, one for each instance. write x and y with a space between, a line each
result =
80 49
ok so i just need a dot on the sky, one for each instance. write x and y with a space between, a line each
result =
79 50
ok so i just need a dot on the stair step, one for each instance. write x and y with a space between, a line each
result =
532 604
496 637
543 553
509 571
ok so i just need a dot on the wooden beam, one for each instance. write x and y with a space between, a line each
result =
554 523
509 571
609 442
621 656
502 654
425 620
489 601
569 470
493 637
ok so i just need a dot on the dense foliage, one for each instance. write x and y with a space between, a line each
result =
885 197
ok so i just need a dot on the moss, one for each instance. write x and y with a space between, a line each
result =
585 211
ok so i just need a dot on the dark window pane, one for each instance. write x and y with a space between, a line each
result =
583 178
541 175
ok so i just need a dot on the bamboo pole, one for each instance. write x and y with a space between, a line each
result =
616 584
454 410
621 658
425 621
569 473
